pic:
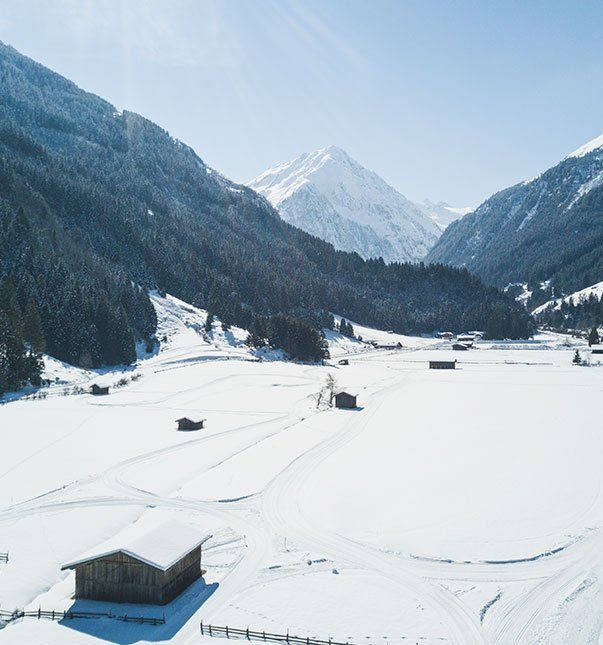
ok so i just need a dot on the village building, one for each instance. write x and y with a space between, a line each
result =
442 365
150 567
99 390
190 424
345 400
596 350
344 361
445 335
460 347
390 346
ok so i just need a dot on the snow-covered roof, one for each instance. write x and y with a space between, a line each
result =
160 547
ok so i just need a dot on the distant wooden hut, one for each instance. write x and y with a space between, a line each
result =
99 390
442 365
460 347
446 335
596 350
190 424
344 361
151 568
389 346
467 340
345 400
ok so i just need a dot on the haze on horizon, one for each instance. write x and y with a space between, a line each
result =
450 101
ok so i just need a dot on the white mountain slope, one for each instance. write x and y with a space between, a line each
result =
442 213
328 194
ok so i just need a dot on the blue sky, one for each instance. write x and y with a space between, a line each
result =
446 100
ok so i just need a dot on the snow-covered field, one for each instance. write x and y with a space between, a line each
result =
453 506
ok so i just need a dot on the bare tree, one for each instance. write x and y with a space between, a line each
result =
324 397
331 387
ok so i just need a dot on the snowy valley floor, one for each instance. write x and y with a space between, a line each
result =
453 507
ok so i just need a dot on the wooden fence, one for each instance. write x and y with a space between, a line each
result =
69 615
250 635
3 557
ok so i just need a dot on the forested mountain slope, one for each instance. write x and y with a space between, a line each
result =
96 206
549 229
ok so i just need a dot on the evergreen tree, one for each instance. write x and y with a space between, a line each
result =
593 337
32 328
209 321
9 304
577 360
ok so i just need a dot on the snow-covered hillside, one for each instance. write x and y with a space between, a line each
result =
548 228
442 213
330 195
573 298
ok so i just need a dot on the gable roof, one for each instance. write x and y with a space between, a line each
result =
160 547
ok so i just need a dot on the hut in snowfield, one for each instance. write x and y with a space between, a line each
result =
190 424
460 347
99 390
442 365
345 400
344 361
150 568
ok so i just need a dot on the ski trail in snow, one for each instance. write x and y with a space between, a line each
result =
281 508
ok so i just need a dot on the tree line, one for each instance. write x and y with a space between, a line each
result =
98 207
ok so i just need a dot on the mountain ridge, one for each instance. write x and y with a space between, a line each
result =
97 206
329 194
548 229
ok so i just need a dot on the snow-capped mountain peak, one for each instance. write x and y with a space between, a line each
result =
588 147
332 196
442 213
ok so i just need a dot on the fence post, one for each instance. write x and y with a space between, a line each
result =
227 636
247 632
53 614
287 639
202 628
264 633
39 612
210 630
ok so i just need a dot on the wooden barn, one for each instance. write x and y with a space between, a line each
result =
442 365
344 361
190 424
596 350
345 400
99 390
150 568
467 340
390 346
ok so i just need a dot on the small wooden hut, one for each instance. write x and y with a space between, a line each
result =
190 424
150 568
99 390
596 350
344 361
442 365
446 335
460 347
345 400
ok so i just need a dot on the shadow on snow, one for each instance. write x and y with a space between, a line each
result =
177 614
